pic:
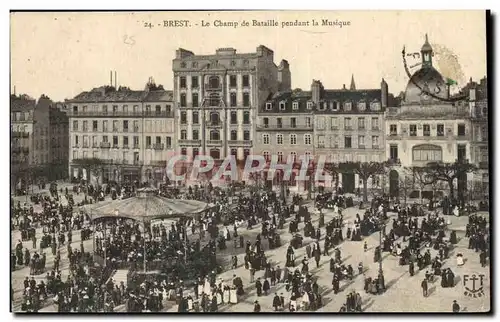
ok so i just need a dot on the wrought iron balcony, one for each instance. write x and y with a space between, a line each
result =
240 142
159 146
105 145
214 142
190 142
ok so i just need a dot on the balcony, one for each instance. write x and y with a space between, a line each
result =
393 162
136 129
105 145
158 163
214 142
245 143
190 142
210 88
136 114
427 133
321 145
393 133
361 146
159 146
138 163
149 146
348 128
375 128
289 127
95 145
125 146
125 161
116 146
85 145
375 146
214 125
125 129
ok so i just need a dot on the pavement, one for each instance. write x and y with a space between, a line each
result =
403 291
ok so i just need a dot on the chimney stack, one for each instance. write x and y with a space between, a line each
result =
115 81
110 78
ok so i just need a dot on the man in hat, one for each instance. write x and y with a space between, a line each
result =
276 302
455 307
256 307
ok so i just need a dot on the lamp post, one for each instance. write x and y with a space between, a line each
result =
380 270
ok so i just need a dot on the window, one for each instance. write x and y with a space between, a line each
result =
320 123
279 123
461 152
214 99
115 141
184 135
265 139
413 130
334 106
307 139
183 151
461 129
234 135
393 152
282 106
347 142
183 117
136 142
280 156
293 139
375 141
361 106
375 106
76 141
427 130
266 155
194 82
279 139
105 139
232 99
234 152
321 141
115 126
295 105
94 126
375 123
158 110
183 101
214 118
182 82
334 123
293 156
125 141
168 109
75 125
246 117
265 121
196 118
85 126
183 64
322 106
246 81
334 141
125 126
309 105
427 152
246 99
196 135
361 123
269 106
75 154
194 64
115 108
293 122
393 129
168 142
214 135
347 123
484 134
440 130
361 141
195 99
232 81
347 106
196 152
308 122
234 117
246 135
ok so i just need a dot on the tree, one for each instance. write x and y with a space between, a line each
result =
448 172
406 185
422 177
365 170
91 165
333 170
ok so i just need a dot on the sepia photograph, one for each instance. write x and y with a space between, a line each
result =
250 162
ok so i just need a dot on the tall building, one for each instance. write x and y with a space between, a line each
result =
30 134
426 128
478 102
59 142
349 127
130 132
216 99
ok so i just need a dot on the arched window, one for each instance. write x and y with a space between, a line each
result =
234 135
214 135
427 152
214 118
213 82
214 99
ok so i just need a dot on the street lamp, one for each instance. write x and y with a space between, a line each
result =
380 270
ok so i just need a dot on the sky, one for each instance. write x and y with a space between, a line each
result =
62 54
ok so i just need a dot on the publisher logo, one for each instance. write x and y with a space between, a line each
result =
473 285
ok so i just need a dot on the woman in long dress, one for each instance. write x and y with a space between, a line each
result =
233 296
226 294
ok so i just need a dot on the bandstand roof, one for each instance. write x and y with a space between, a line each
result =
147 205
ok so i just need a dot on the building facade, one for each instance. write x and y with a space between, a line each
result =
348 127
131 133
216 99
59 142
30 136
426 128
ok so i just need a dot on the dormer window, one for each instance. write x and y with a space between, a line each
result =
309 105
322 106
295 105
347 106
183 64
269 106
282 105
194 64
375 106
361 106
335 106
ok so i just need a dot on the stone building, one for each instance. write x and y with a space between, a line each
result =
426 128
216 99
130 131
59 142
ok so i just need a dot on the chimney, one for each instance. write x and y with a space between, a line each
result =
115 80
316 88
343 87
110 78
385 93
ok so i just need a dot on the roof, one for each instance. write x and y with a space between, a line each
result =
288 97
426 78
106 94
18 103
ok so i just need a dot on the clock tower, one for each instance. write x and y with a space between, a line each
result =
427 53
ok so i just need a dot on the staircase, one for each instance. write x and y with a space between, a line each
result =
119 276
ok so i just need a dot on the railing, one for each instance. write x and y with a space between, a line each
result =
138 162
284 127
394 161
116 146
214 142
105 145
190 142
240 142
361 146
210 88
136 146
121 114
375 146
125 129
214 124
20 134
158 163
393 134
427 133
125 146
125 161
158 146
375 128
348 128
